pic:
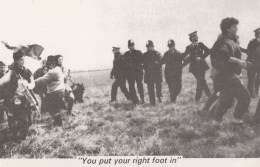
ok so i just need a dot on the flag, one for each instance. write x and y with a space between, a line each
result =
34 51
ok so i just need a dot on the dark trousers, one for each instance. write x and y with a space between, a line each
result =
55 104
20 120
174 85
138 79
232 89
213 97
253 76
150 86
201 84
119 82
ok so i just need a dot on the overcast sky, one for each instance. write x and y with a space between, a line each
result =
85 30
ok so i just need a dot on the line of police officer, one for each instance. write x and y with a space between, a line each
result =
130 65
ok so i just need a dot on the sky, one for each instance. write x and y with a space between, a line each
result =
84 31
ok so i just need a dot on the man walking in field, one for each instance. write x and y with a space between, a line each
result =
153 72
197 52
173 70
253 72
228 67
119 73
134 71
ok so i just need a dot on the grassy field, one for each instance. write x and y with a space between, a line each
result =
100 128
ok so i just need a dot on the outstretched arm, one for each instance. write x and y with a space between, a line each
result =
186 57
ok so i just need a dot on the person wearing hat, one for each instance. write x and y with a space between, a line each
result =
173 60
54 79
226 56
119 73
153 72
197 52
69 96
13 82
134 71
253 72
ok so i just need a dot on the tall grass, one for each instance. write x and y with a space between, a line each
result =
100 128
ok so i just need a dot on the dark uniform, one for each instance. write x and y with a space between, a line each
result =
134 72
253 73
173 70
229 83
119 73
153 73
198 67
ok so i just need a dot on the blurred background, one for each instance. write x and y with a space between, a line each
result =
84 31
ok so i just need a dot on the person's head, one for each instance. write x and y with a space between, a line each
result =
51 62
59 60
257 33
228 27
116 50
18 57
2 67
171 44
193 37
131 44
149 45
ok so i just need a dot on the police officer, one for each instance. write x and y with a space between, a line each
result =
173 70
119 73
197 52
134 68
153 72
252 73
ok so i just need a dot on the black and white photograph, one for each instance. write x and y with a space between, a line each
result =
129 78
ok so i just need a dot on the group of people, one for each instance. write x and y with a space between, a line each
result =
130 66
17 87
226 73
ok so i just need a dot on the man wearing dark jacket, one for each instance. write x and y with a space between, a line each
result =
228 67
253 72
119 73
153 72
173 70
197 52
134 71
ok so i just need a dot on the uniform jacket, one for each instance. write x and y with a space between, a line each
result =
133 61
199 50
119 66
152 66
253 45
173 61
